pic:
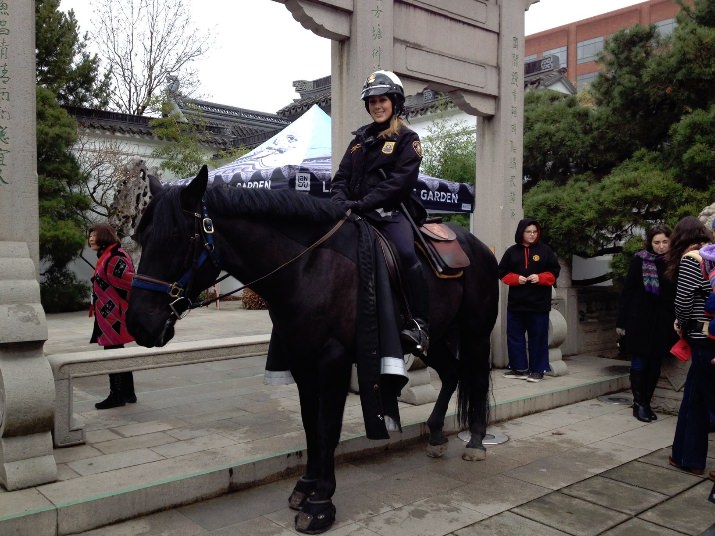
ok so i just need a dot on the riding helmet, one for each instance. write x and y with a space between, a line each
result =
384 83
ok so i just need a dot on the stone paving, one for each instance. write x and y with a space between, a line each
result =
598 472
200 431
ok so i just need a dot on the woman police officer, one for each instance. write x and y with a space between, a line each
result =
377 176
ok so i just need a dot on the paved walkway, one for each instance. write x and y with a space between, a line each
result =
201 431
584 469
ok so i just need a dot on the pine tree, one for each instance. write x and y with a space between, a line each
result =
66 75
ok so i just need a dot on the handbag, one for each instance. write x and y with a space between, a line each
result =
681 349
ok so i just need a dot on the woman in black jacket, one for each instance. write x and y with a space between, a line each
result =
645 318
376 178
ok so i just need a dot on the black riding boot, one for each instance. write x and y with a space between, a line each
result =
116 397
650 381
415 336
639 410
128 387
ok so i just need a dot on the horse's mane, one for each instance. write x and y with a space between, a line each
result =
278 204
225 200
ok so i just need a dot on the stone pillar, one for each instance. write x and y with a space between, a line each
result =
497 206
26 384
567 304
369 49
557 336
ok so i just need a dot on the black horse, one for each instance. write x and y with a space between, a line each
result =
188 234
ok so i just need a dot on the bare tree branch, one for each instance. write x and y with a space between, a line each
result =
144 42
106 163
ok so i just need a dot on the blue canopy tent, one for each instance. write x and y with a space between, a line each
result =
299 157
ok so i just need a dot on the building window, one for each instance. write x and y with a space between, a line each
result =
583 80
561 52
665 27
530 57
588 50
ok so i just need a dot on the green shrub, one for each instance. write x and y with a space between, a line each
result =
62 292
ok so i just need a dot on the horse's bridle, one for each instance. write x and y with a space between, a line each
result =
204 229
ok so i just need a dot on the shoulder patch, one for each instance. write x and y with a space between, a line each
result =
389 147
417 146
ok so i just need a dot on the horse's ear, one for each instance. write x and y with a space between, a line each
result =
155 185
192 194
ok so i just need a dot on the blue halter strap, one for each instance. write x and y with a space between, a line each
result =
182 304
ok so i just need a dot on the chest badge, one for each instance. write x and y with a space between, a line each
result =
536 258
389 147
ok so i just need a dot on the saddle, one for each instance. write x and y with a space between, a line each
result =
438 245
442 249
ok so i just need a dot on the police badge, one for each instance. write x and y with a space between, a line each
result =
389 147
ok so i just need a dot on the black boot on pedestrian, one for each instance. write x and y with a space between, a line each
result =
116 397
639 409
652 375
128 387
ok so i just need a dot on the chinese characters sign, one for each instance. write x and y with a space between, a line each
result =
5 96
377 12
513 173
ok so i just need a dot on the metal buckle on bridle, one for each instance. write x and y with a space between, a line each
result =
181 312
208 225
175 291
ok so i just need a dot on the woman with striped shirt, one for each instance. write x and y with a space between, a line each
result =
690 444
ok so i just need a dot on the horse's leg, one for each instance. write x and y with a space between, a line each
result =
479 370
309 404
318 512
438 442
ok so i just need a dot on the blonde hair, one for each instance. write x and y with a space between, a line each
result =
395 125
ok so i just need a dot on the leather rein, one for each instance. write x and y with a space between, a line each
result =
204 230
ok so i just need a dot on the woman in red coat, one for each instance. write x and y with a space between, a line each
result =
111 284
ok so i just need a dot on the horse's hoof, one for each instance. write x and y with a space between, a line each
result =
301 492
474 455
316 517
437 451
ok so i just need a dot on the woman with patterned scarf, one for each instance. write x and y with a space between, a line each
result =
645 319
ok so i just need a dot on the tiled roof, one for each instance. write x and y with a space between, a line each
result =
245 127
115 122
222 126
548 79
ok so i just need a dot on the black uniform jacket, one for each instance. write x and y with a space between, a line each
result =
646 317
378 172
522 260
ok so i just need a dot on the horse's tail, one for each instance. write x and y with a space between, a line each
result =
478 315
474 386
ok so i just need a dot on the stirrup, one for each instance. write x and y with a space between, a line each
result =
418 337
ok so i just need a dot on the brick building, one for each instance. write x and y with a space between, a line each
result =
577 44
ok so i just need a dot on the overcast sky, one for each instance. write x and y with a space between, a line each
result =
260 49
